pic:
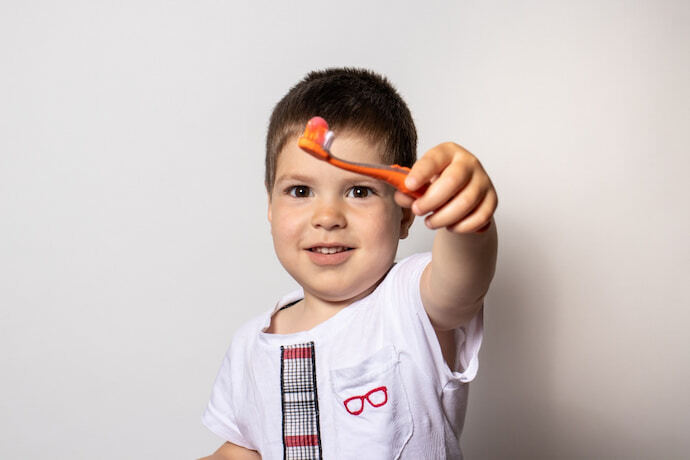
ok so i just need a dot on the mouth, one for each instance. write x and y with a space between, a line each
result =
329 249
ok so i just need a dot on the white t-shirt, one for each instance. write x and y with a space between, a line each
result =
370 382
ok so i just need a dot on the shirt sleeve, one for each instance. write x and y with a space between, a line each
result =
221 415
468 338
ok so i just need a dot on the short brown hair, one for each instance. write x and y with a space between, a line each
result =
349 99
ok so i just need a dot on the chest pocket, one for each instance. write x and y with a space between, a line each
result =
372 413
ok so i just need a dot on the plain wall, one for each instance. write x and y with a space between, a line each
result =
133 232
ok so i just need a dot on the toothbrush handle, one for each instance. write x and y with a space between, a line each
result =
397 180
393 174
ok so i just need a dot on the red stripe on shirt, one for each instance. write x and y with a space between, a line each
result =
294 353
304 440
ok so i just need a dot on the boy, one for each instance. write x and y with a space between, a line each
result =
369 359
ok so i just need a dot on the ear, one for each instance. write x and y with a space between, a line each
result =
269 206
406 222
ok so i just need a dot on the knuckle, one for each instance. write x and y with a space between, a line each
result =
451 148
462 202
467 201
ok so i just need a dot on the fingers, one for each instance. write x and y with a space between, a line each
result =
403 200
477 220
454 178
433 162
458 207
460 196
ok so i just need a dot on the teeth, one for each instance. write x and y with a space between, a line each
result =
329 250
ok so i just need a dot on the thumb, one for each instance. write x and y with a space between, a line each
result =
427 168
403 200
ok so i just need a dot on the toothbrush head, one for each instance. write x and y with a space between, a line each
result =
317 138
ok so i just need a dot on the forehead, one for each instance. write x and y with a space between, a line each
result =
347 145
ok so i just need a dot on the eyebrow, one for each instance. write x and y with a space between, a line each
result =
352 177
293 177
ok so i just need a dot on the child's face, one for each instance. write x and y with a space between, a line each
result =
314 206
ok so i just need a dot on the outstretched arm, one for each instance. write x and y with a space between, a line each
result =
462 201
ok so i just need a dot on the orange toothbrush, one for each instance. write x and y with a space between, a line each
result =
317 139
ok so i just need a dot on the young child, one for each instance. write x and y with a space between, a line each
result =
370 359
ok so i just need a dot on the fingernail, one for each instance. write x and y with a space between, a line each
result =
410 182
415 209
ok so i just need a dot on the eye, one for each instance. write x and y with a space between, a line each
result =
359 191
299 191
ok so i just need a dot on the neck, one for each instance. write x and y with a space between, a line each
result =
314 307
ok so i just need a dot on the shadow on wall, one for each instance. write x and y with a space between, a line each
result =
509 413
515 410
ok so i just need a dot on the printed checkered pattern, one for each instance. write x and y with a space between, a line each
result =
301 435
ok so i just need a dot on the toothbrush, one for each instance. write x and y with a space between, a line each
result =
317 139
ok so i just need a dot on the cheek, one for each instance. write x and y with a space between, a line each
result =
384 226
392 220
284 225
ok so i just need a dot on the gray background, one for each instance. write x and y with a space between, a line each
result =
133 232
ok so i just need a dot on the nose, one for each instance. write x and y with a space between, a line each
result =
328 215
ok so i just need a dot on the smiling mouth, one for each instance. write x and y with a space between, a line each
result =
332 250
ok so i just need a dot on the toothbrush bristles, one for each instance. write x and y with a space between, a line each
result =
317 131
328 140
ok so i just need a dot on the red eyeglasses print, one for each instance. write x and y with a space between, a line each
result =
376 397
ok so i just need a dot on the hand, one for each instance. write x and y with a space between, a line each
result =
461 196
